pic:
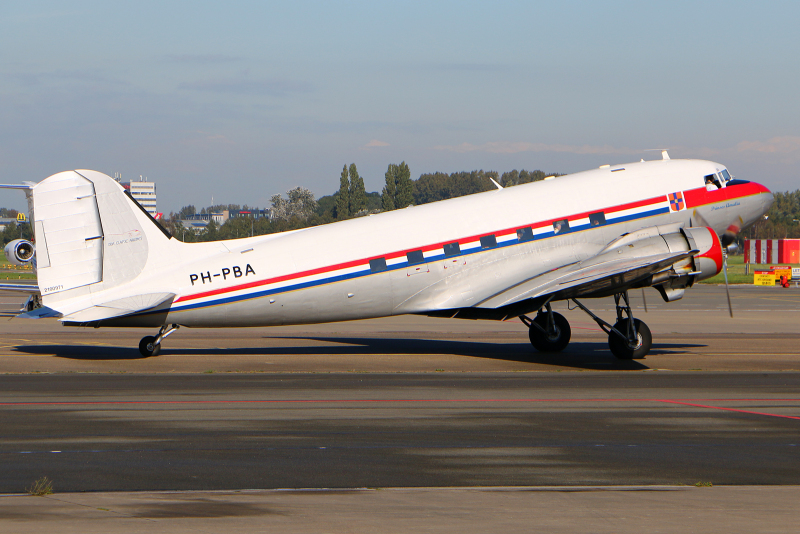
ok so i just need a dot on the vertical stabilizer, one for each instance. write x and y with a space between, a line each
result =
90 236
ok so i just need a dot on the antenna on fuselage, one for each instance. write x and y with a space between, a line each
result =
664 154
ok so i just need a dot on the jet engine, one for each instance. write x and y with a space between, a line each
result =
20 252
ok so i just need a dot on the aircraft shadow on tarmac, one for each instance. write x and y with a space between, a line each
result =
583 355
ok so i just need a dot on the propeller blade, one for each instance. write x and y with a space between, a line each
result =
725 274
644 300
731 232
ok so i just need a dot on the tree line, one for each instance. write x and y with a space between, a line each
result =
782 220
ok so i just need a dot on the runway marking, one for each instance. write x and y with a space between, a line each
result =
730 409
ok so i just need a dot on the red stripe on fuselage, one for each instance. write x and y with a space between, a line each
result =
701 197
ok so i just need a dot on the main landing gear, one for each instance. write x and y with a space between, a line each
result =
628 338
151 345
548 331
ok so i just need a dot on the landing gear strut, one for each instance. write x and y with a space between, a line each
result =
548 331
151 345
629 338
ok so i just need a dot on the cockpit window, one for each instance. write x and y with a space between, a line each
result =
712 181
726 175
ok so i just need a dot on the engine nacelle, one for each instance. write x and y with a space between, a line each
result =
20 252
708 262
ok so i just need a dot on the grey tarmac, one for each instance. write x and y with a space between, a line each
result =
624 509
463 426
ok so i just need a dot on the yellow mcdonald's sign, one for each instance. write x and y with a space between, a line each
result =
21 217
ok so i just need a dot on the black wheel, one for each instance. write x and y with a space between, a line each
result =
624 350
148 346
550 343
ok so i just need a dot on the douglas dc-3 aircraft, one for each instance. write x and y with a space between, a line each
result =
101 260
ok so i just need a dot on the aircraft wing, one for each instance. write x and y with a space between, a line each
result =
585 278
20 288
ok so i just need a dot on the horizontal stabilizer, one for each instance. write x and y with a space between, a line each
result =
24 187
38 313
21 288
119 307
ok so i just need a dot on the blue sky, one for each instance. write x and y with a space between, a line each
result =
243 100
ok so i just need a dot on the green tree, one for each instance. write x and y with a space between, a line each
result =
11 232
210 233
441 186
404 194
326 205
187 211
389 190
522 177
300 205
373 201
343 197
783 218
399 190
358 195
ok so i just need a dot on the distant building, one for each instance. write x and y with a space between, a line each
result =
195 225
253 213
144 193
218 218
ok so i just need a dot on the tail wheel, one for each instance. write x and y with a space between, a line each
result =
623 349
148 346
550 341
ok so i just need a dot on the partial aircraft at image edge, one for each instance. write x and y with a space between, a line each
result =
103 261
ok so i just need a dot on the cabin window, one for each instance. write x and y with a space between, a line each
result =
377 265
452 249
561 227
525 234
488 241
415 256
597 219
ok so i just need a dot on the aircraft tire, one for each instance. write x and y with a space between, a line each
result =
148 347
542 342
622 350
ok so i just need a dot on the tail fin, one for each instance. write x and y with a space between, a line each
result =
90 235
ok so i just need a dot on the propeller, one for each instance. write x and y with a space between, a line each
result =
728 241
725 274
729 246
729 236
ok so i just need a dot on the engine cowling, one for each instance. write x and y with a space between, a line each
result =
708 262
20 252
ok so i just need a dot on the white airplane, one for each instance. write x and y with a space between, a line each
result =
101 260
